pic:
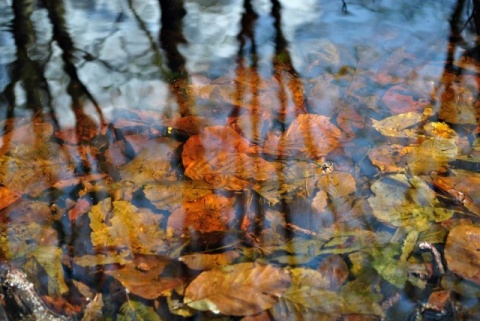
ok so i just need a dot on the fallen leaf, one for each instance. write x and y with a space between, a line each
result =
204 261
8 197
400 100
311 135
119 224
240 289
406 202
208 214
143 276
462 252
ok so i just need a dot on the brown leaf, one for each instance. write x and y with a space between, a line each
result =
462 252
29 134
211 141
204 261
240 289
208 214
82 206
312 135
143 276
337 184
388 158
465 189
400 100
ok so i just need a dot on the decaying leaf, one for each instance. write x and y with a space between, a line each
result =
136 310
309 299
462 252
463 188
400 100
204 261
210 213
152 164
337 184
240 289
407 202
119 224
400 125
311 135
170 195
8 196
212 140
31 169
29 134
50 260
143 276
103 259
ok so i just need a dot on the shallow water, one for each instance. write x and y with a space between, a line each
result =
172 160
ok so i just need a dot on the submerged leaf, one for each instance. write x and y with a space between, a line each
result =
119 224
143 276
407 202
462 252
137 311
240 289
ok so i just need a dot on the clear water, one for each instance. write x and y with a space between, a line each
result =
115 79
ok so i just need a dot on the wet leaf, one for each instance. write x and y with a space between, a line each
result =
337 184
308 299
152 164
119 224
137 311
398 125
240 289
407 202
30 134
170 195
212 140
208 214
457 107
462 252
8 196
31 169
463 188
50 260
204 261
18 240
102 259
311 135
388 266
400 100
143 276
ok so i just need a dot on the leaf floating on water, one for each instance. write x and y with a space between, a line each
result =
406 202
240 289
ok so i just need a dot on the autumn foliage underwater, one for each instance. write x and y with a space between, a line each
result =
353 206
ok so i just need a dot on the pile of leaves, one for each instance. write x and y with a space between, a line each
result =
346 204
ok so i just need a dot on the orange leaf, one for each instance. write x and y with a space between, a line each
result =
8 196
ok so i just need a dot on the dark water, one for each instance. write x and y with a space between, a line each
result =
108 84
